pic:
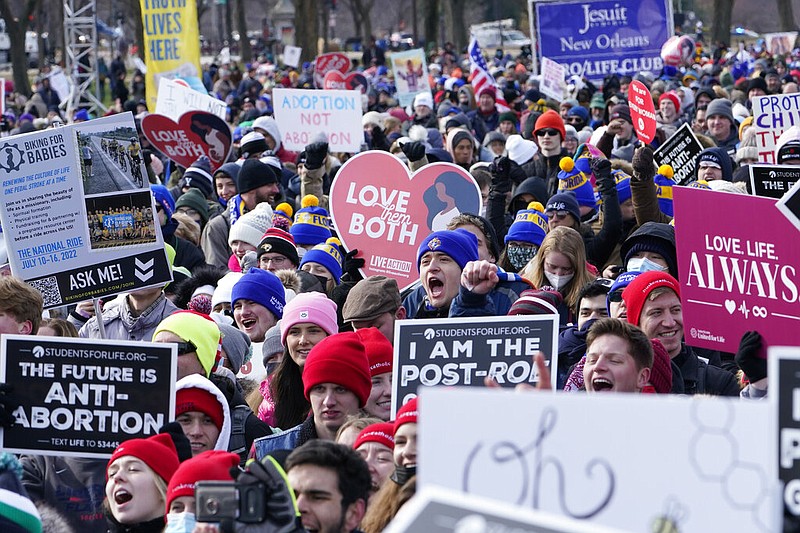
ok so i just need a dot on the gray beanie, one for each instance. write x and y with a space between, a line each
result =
236 345
272 343
721 106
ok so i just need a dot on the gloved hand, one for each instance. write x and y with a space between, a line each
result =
179 439
352 264
8 405
642 162
414 150
378 139
316 154
249 260
281 512
501 174
601 168
754 367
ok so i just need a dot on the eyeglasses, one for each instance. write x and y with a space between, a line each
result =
277 261
551 132
558 215
574 120
186 347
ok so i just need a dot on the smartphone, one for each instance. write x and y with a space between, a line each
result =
220 500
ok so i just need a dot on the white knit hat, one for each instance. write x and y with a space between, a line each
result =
222 294
251 226
520 150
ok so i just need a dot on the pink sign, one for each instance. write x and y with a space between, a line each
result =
737 272
196 133
643 111
381 209
327 62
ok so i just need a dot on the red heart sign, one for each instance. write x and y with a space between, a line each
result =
385 212
327 62
195 134
643 111
353 81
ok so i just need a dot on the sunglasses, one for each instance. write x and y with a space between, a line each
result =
615 296
551 132
186 347
558 215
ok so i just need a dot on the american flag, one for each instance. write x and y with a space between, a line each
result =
481 78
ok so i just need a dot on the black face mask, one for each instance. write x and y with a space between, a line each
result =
402 474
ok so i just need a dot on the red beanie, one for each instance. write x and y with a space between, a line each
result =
673 97
382 433
380 352
636 293
406 415
213 465
661 373
196 399
490 90
339 359
158 452
550 119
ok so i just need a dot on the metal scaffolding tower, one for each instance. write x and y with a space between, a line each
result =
80 33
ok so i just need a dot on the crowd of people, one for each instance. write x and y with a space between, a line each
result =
575 222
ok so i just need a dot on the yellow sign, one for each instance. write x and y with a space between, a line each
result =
171 43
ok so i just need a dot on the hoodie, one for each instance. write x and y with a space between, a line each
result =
199 382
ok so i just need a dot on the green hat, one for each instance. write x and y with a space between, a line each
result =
509 116
597 101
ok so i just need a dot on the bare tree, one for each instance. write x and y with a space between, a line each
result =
306 27
721 21
244 41
16 25
786 15
455 28
361 11
430 14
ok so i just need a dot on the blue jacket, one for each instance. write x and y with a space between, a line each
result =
287 440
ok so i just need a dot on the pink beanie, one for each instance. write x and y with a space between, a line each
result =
313 307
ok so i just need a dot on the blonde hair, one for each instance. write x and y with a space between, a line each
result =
357 421
570 243
159 482
386 503
187 228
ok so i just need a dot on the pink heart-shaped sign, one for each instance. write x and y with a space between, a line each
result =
352 81
327 62
195 134
385 212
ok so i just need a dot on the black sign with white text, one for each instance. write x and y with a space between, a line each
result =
464 351
773 181
82 397
680 152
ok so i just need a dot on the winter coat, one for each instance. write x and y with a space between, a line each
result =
701 378
287 440
119 324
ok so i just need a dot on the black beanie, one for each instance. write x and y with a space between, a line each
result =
255 174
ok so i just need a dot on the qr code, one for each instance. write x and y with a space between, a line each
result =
49 289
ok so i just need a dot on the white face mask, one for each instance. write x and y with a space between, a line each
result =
558 282
180 523
643 264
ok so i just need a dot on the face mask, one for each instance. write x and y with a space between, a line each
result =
180 523
643 264
402 474
520 255
558 282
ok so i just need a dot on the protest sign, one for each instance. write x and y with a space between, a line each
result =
2 96
595 38
709 463
60 83
291 55
175 99
82 397
680 152
772 115
384 211
410 75
780 43
58 186
464 351
327 62
304 114
195 134
354 81
772 181
736 276
171 44
784 369
643 111
553 76
789 205
438 510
